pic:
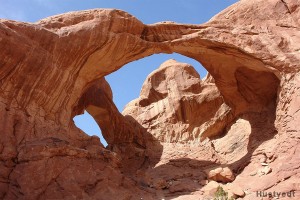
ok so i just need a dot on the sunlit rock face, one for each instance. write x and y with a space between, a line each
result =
243 116
175 105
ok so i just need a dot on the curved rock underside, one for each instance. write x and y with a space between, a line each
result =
179 132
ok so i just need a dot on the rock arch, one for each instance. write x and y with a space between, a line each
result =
48 67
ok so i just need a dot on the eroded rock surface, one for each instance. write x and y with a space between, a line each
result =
175 105
245 113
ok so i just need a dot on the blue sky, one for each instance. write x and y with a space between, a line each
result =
126 82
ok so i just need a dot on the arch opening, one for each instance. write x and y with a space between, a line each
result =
126 83
103 107
87 124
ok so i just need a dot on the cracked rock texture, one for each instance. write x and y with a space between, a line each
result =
243 116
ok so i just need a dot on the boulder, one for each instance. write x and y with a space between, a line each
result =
220 174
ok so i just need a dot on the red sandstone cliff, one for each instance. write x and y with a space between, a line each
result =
240 124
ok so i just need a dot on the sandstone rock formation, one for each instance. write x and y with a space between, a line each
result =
244 113
176 106
221 174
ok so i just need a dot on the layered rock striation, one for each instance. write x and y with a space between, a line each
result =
245 113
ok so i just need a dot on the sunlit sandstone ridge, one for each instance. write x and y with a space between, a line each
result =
240 124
